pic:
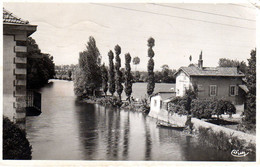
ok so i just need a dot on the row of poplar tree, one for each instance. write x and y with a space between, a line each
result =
91 75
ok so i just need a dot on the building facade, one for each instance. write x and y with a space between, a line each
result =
212 82
15 33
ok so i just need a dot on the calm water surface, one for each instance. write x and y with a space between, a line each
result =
69 130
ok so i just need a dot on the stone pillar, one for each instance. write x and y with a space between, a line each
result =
20 72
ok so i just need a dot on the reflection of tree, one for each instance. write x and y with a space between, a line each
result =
126 137
148 141
87 126
117 134
109 134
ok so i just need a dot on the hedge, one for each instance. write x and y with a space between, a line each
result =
15 144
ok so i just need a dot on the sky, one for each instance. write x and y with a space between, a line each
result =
179 30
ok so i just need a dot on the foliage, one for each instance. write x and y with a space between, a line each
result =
89 68
39 70
104 79
15 144
128 76
205 108
109 101
79 83
182 105
111 78
150 67
222 141
136 60
225 62
250 111
119 75
65 71
145 106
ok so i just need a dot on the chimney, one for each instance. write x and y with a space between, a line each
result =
200 62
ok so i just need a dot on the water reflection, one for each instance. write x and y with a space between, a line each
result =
87 128
148 141
68 129
126 137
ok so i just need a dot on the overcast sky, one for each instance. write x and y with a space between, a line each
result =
179 30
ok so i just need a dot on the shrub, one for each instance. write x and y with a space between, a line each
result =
205 108
202 108
15 143
145 107
110 101
222 141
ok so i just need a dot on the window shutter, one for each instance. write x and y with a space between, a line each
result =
236 90
216 90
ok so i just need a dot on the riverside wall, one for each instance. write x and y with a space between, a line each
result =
176 119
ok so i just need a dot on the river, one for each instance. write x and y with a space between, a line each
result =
70 130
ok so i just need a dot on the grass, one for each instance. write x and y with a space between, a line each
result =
222 141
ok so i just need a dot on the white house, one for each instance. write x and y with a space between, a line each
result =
158 101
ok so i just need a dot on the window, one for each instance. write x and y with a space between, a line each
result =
213 90
155 103
233 90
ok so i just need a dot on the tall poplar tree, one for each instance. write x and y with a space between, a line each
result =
119 75
104 78
111 78
128 76
250 110
150 67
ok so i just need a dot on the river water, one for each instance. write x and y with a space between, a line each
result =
70 130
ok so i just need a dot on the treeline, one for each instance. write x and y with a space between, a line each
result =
65 72
40 66
91 77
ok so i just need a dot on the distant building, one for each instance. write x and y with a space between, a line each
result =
217 82
15 33
160 101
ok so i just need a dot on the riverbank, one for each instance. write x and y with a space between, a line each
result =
213 135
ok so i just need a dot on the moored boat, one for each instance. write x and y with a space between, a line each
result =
169 125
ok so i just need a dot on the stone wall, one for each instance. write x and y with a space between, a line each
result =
14 77
181 120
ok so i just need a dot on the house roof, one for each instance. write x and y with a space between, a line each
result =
165 95
10 18
211 71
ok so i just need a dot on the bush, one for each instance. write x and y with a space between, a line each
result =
177 105
15 143
110 101
222 141
207 107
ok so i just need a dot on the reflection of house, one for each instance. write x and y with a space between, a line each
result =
217 82
15 33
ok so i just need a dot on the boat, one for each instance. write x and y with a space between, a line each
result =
169 125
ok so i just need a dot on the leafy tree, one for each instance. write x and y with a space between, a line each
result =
69 74
15 144
40 66
128 76
104 78
79 83
111 78
136 61
250 110
150 67
224 62
90 68
119 75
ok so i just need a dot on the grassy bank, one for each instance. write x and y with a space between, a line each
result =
222 141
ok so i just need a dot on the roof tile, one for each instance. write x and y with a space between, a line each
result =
212 71
8 17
